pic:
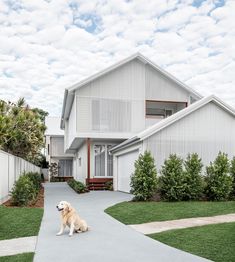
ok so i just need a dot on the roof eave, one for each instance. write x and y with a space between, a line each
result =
67 105
124 144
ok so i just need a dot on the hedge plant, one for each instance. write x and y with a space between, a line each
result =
77 186
26 188
218 180
144 180
232 173
192 177
172 179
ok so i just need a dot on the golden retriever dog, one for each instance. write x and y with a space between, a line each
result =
71 219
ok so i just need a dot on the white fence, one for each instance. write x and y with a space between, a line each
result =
11 167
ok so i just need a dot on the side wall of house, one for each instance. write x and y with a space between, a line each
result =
57 147
205 131
70 126
80 164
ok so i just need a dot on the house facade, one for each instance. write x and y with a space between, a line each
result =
205 127
54 147
114 105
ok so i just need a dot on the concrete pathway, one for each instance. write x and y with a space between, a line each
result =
156 227
108 240
17 245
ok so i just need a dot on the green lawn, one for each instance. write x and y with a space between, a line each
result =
143 212
19 222
25 257
215 242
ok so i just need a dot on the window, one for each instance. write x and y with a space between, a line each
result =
99 151
79 161
161 109
103 161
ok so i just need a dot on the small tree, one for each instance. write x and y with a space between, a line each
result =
232 173
193 184
144 180
171 181
218 182
53 169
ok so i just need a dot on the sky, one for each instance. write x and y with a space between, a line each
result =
47 46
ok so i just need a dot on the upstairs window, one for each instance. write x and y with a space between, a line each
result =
163 109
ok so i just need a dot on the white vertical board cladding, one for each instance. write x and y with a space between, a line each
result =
4 176
80 164
11 169
125 168
113 102
158 87
206 131
57 147
70 127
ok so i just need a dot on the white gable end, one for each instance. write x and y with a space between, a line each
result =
206 131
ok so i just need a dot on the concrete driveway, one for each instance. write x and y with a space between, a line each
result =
108 240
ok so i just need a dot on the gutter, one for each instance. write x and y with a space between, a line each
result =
63 108
125 144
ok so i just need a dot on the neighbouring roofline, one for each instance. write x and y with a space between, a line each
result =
139 56
172 119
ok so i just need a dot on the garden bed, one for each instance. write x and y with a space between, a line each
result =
38 203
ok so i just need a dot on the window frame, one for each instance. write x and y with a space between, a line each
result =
161 101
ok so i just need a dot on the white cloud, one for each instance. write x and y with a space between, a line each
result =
46 46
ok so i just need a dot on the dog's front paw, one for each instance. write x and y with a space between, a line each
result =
70 235
59 234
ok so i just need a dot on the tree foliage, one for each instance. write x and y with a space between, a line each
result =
144 180
232 173
193 182
21 129
218 181
172 179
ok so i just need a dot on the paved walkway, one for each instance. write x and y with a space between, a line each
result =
108 240
156 227
17 245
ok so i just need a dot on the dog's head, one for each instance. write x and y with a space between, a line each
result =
64 206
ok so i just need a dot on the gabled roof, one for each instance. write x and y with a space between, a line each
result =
172 119
69 92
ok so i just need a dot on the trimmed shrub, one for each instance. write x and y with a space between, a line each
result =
232 173
109 185
24 191
144 180
35 178
192 179
77 186
218 181
172 179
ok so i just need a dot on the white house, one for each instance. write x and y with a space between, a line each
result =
54 148
206 127
108 108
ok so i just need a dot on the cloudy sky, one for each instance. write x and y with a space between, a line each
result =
46 46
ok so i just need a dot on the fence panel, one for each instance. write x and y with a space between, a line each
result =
11 175
11 167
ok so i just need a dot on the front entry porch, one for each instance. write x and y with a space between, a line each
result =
98 183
